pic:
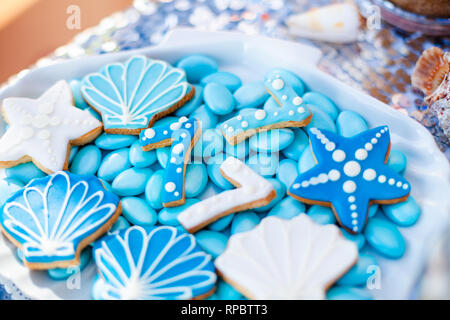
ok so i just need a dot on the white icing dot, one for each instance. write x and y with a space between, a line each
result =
244 124
176 193
361 154
284 97
260 114
391 181
175 126
183 135
382 131
277 84
369 174
170 186
40 121
351 199
338 155
378 135
330 146
352 168
179 170
275 114
230 129
301 110
239 117
149 133
297 101
225 126
353 207
46 108
355 222
354 214
305 184
382 179
165 132
296 186
291 112
368 146
405 186
173 160
323 178
374 141
26 120
349 186
182 119
334 175
187 125
314 181
178 148
355 229
399 184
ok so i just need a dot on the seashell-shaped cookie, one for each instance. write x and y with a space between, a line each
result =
131 96
53 218
286 259
153 263
339 22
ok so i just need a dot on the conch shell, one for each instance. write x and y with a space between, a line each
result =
339 23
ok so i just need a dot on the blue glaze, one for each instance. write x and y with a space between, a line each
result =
297 146
385 238
87 160
320 119
75 85
192 104
53 235
120 224
306 161
287 208
153 263
131 182
218 98
347 293
129 95
65 273
94 113
363 269
287 172
169 216
271 140
280 189
397 161
140 158
212 242
73 152
229 80
196 179
162 155
113 164
239 150
403 214
114 141
350 123
214 174
138 212
357 238
182 135
226 292
222 223
153 189
290 77
207 118
250 95
212 143
372 210
197 66
264 164
321 214
244 221
350 173
323 102
24 172
8 187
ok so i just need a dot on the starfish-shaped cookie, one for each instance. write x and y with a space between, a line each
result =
42 130
351 173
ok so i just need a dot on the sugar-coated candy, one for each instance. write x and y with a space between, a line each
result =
264 164
195 180
114 141
222 223
271 140
131 182
24 172
192 104
75 85
306 161
228 79
197 66
320 119
207 118
297 146
153 189
357 238
8 186
120 224
239 150
287 172
397 160
218 98
87 160
251 95
360 272
321 214
323 102
140 158
287 208
138 212
214 174
168 216
280 189
404 214
211 242
350 123
113 164
384 237
163 154
244 221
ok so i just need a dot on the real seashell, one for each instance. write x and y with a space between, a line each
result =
339 22
286 259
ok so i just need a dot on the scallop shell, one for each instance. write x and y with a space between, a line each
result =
158 263
130 95
52 218
286 259
431 70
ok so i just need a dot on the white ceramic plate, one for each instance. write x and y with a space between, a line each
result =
251 57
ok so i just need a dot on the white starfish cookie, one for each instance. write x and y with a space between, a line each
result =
286 259
42 130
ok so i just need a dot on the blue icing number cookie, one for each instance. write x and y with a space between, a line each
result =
289 112
183 136
350 175
53 218
131 96
153 263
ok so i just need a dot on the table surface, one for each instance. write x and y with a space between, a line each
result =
379 63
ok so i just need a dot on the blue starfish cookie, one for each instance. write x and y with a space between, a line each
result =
53 218
131 96
153 263
350 175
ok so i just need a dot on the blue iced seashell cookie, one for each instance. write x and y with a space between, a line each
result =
153 263
131 96
53 218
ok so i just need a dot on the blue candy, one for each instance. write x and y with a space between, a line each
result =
207 118
321 214
140 158
113 164
287 208
211 242
197 66
239 150
24 172
251 95
195 180
210 144
244 221
350 123
280 189
222 223
347 293
323 102
306 161
163 154
75 85
385 238
192 104
357 238
372 210
287 172
138 212
214 174
73 153
226 292
153 189
397 160
290 77
218 98
229 80
120 224
114 141
264 164
87 160
320 119
271 140
360 272
168 216
404 214
65 273
131 182
297 146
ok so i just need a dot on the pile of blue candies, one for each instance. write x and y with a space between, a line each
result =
137 176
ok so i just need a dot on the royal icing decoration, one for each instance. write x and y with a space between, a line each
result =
253 191
52 218
183 136
350 175
130 96
158 263
291 112
41 130
286 259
